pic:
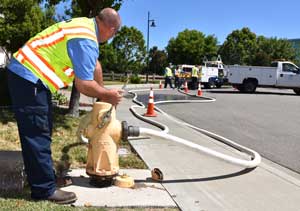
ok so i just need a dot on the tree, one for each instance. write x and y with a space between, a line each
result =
263 55
130 49
21 20
282 49
108 57
270 49
239 47
190 46
210 47
158 60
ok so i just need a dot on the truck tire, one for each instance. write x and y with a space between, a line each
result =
240 87
218 85
297 91
249 86
208 85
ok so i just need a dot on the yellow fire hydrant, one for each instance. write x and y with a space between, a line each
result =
104 133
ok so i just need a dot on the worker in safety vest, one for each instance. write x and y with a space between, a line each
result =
176 75
168 76
47 62
181 77
195 72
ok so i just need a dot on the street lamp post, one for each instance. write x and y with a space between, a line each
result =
150 23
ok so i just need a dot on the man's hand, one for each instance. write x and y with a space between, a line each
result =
93 89
113 96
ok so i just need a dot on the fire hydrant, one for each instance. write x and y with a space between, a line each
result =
104 133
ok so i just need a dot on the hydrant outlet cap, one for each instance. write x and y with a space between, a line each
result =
124 181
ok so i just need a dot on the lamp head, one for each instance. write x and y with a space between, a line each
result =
153 24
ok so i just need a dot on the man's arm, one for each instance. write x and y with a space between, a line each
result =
93 89
98 75
88 72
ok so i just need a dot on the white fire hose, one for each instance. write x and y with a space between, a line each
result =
255 157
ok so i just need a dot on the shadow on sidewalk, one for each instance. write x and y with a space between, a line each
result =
239 173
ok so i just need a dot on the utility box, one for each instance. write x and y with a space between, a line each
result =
12 176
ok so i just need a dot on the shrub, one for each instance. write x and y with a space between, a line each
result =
123 78
135 79
61 98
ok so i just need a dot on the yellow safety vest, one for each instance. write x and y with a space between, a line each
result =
46 54
168 72
195 72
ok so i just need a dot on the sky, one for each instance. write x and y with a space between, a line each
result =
270 18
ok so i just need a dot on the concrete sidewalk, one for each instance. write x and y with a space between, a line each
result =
198 182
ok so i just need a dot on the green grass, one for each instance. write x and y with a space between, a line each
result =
22 202
27 205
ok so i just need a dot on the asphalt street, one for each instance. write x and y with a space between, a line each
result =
267 121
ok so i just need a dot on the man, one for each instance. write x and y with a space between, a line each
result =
176 75
168 76
47 62
195 72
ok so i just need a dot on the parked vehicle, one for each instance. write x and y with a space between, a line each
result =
211 73
186 74
281 74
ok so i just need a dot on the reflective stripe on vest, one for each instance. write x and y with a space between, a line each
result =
59 35
42 67
68 71
46 54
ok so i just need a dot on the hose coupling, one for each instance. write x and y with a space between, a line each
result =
127 131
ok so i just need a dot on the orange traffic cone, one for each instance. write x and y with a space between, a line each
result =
186 87
150 108
160 85
199 93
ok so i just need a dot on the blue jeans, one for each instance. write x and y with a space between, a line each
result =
33 111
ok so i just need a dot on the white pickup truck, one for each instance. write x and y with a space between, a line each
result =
280 74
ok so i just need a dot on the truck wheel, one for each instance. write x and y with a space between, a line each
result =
208 85
297 91
240 87
249 86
